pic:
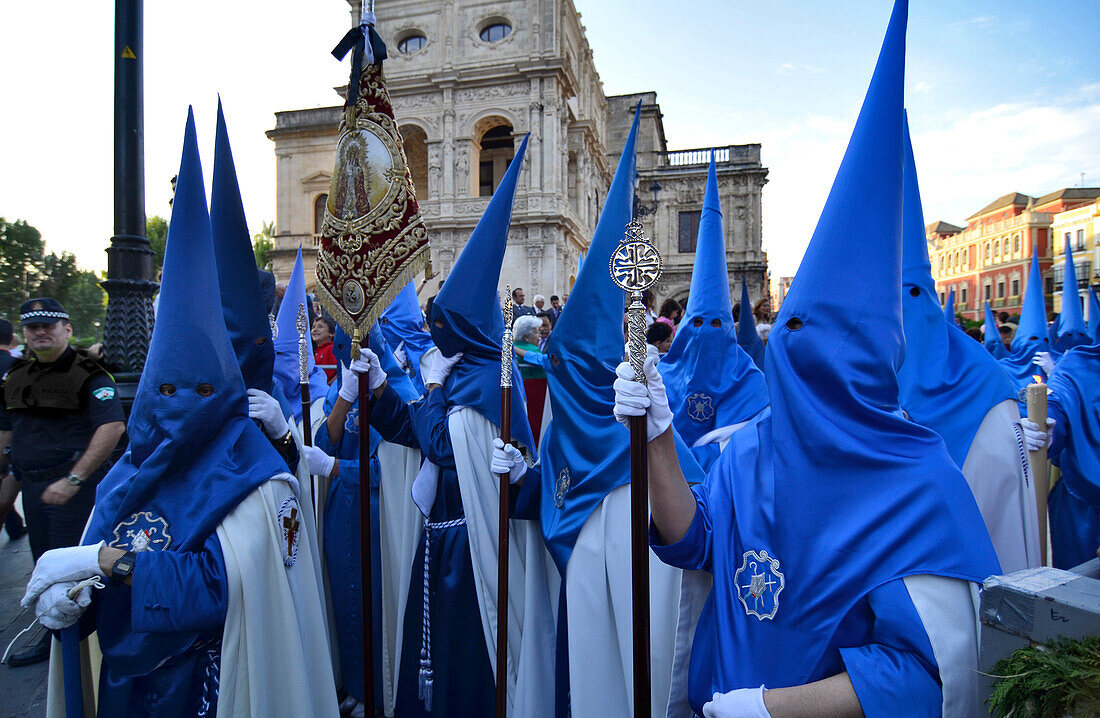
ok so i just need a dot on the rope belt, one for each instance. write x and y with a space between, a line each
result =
425 693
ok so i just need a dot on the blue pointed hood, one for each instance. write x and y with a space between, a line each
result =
194 454
993 342
585 452
243 303
466 315
710 380
1072 331
949 308
287 372
948 382
1094 316
1031 333
747 337
849 494
403 322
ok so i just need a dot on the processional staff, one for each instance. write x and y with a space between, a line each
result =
1040 472
635 267
505 501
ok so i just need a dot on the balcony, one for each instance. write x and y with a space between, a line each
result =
728 155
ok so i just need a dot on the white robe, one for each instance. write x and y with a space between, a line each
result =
532 579
997 470
275 658
598 600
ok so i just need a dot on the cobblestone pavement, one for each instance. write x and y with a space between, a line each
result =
22 690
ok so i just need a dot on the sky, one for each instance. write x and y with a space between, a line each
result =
1003 96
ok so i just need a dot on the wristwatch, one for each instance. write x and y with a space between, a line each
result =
74 480
123 567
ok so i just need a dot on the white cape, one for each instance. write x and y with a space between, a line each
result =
598 590
273 612
400 533
997 470
532 579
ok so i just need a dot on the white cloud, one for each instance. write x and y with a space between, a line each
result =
796 68
965 160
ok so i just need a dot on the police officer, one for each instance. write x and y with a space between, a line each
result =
60 425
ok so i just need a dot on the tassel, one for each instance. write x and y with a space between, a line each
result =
425 693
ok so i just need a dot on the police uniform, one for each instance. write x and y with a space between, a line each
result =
52 410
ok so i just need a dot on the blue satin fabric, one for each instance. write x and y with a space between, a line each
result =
243 305
1071 331
747 337
834 483
948 382
403 322
342 538
287 367
993 342
463 682
1074 404
949 308
183 444
469 317
585 452
710 380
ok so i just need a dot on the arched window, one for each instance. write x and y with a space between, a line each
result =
416 152
941 263
1016 243
319 212
997 248
495 31
497 149
987 250
412 42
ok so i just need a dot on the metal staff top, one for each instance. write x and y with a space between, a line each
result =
506 340
303 348
635 266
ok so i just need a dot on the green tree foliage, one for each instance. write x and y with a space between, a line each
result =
263 244
156 229
21 249
27 271
1060 679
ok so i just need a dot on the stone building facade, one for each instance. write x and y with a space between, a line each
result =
468 79
988 260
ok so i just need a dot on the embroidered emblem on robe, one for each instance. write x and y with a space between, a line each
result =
759 582
561 486
351 423
700 407
142 531
290 529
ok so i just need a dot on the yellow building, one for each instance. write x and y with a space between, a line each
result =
1080 228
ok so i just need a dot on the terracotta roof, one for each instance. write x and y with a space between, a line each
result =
1069 193
942 227
1009 200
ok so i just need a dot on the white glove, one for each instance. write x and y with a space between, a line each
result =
319 463
74 563
635 399
368 364
400 355
508 460
742 703
264 408
441 369
1034 437
55 610
1044 362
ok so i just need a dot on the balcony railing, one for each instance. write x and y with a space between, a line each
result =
730 154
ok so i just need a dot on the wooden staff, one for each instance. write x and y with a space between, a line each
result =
302 325
636 266
1037 412
365 531
505 506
